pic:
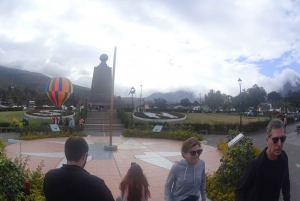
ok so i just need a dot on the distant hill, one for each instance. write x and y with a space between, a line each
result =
35 81
287 86
173 97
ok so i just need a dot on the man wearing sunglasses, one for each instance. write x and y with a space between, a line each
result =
268 173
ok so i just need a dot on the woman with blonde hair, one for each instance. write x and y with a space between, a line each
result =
186 179
134 186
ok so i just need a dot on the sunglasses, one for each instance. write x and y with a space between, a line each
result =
193 153
276 139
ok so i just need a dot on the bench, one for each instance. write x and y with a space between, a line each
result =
6 129
204 131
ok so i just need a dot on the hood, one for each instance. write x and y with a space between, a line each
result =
183 166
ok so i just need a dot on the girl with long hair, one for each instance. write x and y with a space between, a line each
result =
134 186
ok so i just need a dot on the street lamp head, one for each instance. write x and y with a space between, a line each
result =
240 81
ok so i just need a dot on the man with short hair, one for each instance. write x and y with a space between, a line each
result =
71 181
268 173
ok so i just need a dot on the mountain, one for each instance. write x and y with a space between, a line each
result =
173 97
288 86
34 81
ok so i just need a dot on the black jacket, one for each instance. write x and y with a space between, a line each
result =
72 182
247 188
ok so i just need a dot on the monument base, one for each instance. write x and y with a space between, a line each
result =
110 148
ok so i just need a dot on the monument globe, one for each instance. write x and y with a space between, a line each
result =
101 84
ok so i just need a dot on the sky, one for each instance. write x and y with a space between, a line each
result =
165 46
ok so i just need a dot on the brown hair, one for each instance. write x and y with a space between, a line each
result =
188 144
135 182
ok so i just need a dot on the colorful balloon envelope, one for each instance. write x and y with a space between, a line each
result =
58 90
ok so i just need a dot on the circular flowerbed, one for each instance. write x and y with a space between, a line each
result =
159 116
48 113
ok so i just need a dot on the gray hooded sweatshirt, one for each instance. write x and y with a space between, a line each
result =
185 180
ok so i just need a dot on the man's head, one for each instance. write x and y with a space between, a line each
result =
76 150
275 138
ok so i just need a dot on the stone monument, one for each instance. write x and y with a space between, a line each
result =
101 85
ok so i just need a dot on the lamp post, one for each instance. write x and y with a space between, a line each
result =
200 98
141 99
240 83
132 91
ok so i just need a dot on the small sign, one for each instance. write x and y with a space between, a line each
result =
157 128
54 127
235 140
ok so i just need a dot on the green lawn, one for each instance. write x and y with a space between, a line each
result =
213 118
7 117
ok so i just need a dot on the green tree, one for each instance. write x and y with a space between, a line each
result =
293 98
196 103
255 96
160 103
274 97
185 102
214 99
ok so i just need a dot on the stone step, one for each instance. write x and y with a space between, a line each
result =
99 115
103 127
101 121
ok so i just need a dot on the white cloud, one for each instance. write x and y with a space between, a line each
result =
163 45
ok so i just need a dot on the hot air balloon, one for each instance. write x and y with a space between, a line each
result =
58 90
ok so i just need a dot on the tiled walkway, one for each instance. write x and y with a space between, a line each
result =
155 156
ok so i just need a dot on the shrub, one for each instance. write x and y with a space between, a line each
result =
222 146
221 184
127 109
255 126
225 127
11 109
124 117
217 191
12 180
4 124
2 147
19 183
168 134
35 136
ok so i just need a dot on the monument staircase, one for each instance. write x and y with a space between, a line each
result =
100 121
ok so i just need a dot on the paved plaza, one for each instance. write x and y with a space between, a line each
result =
155 156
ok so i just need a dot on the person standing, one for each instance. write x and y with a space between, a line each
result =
134 186
80 121
186 180
55 120
285 122
66 122
72 123
268 173
60 122
72 182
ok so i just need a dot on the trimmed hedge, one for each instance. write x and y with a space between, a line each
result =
46 108
126 109
170 134
11 109
255 126
125 118
4 124
50 135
